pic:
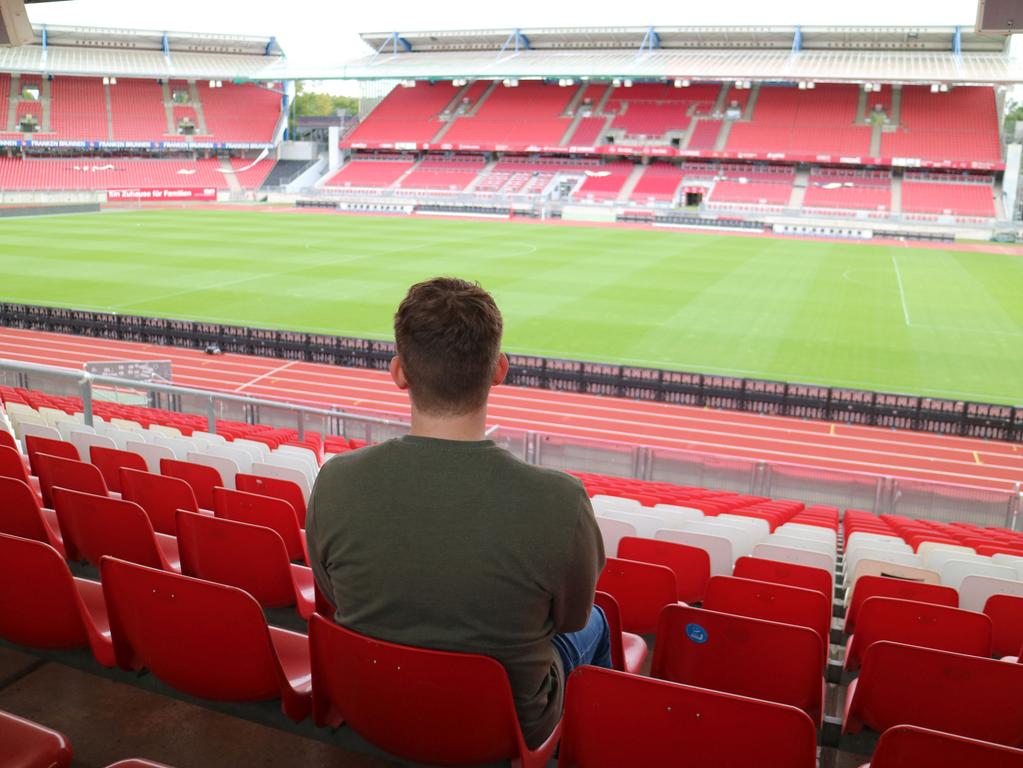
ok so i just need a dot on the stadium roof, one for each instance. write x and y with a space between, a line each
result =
825 54
141 53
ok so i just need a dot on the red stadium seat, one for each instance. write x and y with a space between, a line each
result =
35 445
1006 614
923 624
94 526
67 473
773 602
208 640
109 462
203 479
12 465
951 692
268 511
7 440
419 705
614 719
249 557
883 586
272 486
641 589
690 565
628 651
22 516
160 496
43 606
790 574
30 745
740 655
907 746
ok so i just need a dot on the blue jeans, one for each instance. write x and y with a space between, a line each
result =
590 645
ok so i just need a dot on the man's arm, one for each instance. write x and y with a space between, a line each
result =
313 545
573 597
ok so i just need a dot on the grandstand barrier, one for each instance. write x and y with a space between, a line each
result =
774 479
775 398
16 211
842 233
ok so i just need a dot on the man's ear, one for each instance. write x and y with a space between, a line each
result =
397 373
502 369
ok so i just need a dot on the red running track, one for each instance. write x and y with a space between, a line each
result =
870 450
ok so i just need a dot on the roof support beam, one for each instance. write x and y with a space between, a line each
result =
797 40
166 45
270 45
957 42
396 41
516 38
651 40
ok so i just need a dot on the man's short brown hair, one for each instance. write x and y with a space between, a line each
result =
448 335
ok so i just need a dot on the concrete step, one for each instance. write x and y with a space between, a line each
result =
200 115
46 98
168 106
630 184
12 103
726 131
110 112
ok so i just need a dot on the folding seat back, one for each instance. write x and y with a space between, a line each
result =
72 474
208 640
290 461
20 514
241 458
801 531
37 426
628 650
159 495
202 478
974 590
954 571
36 445
718 548
923 624
1006 614
794 555
29 745
690 565
249 557
612 531
930 544
84 441
907 746
885 554
799 542
613 719
741 655
419 705
267 511
759 527
936 560
94 526
646 525
742 539
39 604
7 439
641 589
296 476
109 462
772 602
279 489
11 465
951 692
603 501
875 541
881 586
153 454
226 468
869 567
790 574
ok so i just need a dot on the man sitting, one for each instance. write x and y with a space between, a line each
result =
443 540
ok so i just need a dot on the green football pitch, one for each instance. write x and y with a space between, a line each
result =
945 323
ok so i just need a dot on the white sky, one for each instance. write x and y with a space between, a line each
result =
326 31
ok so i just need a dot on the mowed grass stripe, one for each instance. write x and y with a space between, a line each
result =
827 313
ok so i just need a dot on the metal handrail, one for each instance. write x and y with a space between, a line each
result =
86 380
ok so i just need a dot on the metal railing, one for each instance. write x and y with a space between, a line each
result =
880 494
212 405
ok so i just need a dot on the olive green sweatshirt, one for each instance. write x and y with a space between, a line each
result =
459 546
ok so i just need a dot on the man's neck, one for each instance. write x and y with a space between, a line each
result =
469 426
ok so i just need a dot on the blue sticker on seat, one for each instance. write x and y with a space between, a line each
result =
696 633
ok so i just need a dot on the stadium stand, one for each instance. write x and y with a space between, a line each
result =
121 173
405 115
958 125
